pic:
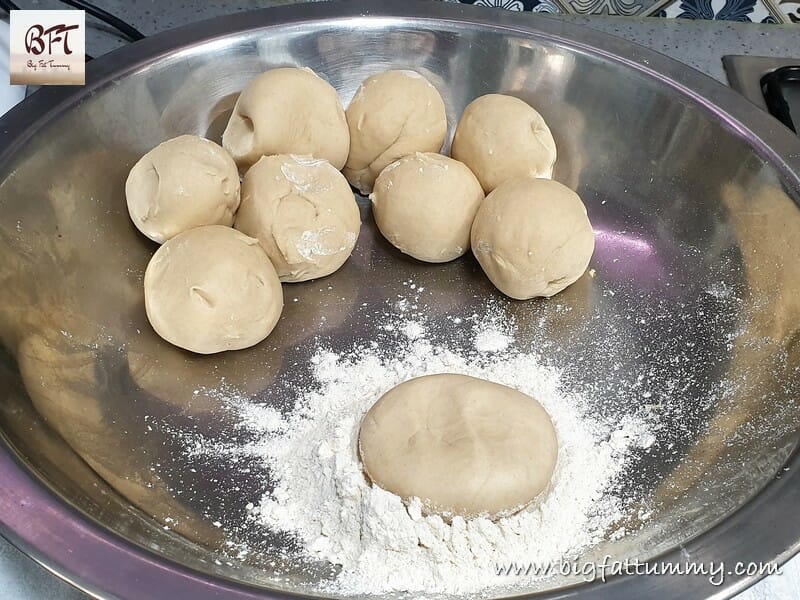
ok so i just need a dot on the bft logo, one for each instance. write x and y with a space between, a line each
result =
38 39
48 47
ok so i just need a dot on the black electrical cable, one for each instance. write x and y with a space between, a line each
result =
127 30
124 28
772 87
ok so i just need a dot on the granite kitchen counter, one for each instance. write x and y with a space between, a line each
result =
699 44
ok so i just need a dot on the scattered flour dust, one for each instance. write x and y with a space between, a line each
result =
383 545
321 499
492 335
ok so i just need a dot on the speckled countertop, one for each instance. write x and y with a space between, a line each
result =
700 44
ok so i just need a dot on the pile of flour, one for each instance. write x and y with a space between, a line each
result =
322 498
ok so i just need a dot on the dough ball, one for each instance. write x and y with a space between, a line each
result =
500 137
303 212
211 289
393 114
424 204
288 111
185 182
464 446
532 237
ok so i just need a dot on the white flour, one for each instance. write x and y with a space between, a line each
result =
308 179
611 385
313 243
322 497
492 335
378 544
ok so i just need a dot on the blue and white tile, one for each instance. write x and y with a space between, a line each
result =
721 10
621 8
546 6
790 9
756 11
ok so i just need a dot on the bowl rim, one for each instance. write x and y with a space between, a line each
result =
95 559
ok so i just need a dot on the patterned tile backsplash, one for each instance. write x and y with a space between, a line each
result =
756 11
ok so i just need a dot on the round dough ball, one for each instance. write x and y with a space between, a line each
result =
500 137
532 237
288 111
185 182
462 445
303 212
211 289
424 205
393 114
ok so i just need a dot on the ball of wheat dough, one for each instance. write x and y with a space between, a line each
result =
464 446
393 114
303 212
424 204
532 237
288 111
500 137
182 183
211 289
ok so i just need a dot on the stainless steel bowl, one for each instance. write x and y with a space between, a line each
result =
693 193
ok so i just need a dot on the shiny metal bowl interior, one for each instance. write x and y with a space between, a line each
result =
693 196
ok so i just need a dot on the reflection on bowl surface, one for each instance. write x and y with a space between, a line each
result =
694 289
